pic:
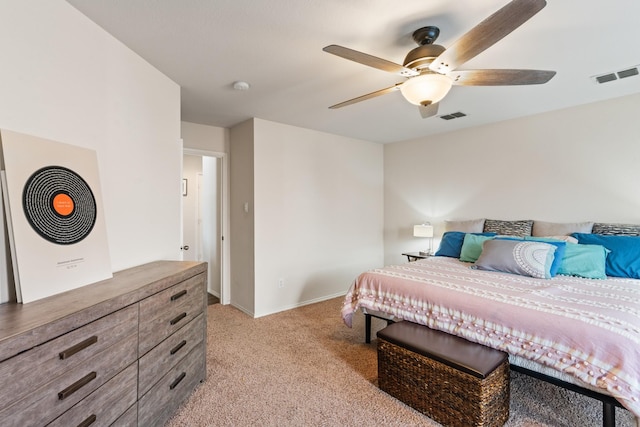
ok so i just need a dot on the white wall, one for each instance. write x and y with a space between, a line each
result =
318 214
64 78
204 137
575 164
241 221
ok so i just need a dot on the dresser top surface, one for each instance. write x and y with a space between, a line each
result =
95 300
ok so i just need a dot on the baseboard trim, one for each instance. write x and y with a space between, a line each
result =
242 309
301 304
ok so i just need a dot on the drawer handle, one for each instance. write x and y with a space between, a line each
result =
77 348
175 382
76 386
178 318
88 421
175 349
179 295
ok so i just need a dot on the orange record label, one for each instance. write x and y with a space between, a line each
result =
63 204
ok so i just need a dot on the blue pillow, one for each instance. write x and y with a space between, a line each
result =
584 261
560 249
624 259
451 243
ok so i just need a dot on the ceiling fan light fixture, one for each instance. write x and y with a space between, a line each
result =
427 88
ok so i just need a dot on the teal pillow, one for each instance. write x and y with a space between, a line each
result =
526 258
472 247
624 257
587 261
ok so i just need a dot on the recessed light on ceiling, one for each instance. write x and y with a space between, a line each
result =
240 85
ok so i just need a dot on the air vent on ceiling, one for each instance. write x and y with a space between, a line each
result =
606 78
615 75
628 73
453 116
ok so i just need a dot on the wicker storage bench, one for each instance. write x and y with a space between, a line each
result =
451 380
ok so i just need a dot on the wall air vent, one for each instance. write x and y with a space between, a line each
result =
616 75
453 116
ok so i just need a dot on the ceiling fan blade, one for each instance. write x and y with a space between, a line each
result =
500 77
367 96
487 33
369 60
430 110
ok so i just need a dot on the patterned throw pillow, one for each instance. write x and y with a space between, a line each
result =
616 229
508 228
560 245
526 258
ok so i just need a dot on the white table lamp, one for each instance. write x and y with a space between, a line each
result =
424 230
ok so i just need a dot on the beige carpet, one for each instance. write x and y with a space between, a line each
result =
304 367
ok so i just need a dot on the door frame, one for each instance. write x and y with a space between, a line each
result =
225 264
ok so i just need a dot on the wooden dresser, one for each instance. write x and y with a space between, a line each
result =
124 351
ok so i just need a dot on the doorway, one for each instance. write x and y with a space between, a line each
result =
205 217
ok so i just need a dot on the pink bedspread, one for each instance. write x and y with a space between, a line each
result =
586 328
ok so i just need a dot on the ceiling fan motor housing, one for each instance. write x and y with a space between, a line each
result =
420 57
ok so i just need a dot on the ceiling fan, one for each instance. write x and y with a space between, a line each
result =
431 69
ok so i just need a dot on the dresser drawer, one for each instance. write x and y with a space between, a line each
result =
168 353
43 363
155 407
105 405
129 418
49 401
165 312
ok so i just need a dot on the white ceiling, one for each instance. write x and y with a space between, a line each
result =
276 46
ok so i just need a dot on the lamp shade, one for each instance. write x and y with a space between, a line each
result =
423 230
427 88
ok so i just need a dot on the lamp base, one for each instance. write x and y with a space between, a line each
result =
425 253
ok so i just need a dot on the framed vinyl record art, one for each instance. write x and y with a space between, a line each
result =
53 209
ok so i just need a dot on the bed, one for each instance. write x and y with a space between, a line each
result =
576 330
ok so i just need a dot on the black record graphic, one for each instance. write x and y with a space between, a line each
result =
59 205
